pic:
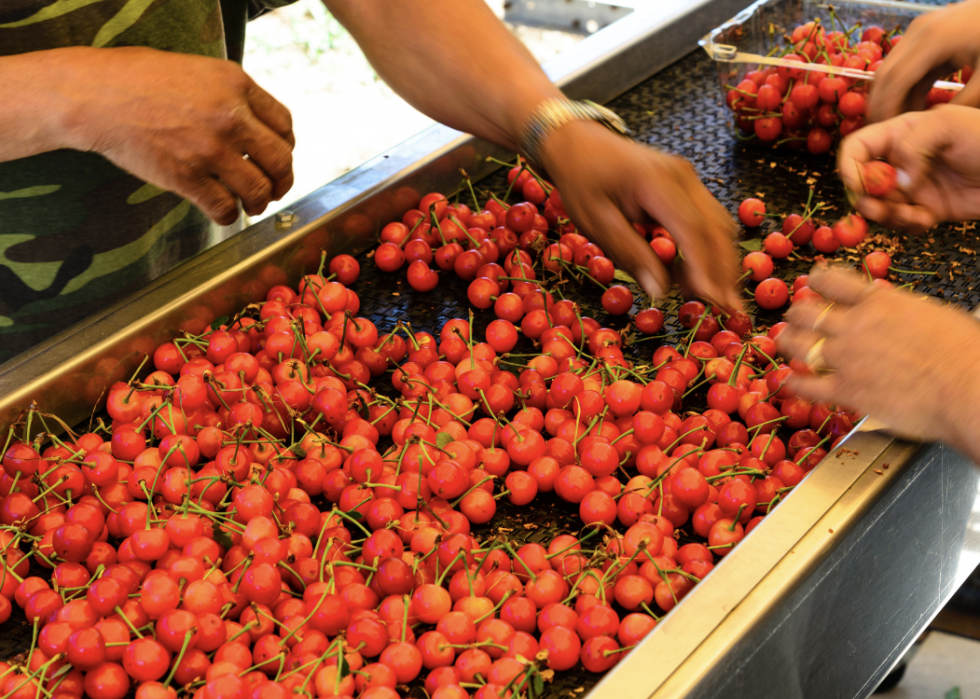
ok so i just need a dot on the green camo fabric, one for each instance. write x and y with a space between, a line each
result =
76 232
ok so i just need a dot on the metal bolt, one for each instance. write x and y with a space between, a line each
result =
285 219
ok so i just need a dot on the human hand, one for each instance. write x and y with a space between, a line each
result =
935 45
197 126
908 360
939 150
607 181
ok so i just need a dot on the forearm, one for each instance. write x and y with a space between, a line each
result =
451 59
33 109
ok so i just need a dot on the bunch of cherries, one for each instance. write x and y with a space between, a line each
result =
501 246
812 108
285 504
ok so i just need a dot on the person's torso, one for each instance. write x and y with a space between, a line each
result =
76 232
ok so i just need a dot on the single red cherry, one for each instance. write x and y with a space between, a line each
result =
752 212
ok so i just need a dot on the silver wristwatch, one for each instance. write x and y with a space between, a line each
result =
553 113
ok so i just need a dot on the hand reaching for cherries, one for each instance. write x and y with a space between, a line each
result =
908 360
607 181
934 45
939 153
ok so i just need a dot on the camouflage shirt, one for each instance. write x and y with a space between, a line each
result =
76 232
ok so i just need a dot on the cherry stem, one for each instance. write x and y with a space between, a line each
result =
344 515
470 490
607 653
530 573
738 364
180 656
910 271
694 330
118 610
644 607
781 418
731 527
507 595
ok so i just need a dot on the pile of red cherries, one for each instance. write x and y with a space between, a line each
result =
286 503
811 108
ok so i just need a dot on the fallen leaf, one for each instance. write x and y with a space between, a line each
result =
754 245
623 277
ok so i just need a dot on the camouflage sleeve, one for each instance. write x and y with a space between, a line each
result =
76 232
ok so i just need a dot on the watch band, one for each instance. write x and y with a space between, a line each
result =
553 113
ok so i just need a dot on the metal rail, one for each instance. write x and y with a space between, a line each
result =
819 601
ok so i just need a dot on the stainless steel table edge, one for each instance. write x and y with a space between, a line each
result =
793 568
658 659
846 603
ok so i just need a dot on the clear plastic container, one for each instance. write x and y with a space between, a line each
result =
765 26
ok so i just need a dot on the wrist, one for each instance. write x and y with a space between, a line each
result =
71 115
45 97
552 115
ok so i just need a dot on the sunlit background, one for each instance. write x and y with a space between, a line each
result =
343 114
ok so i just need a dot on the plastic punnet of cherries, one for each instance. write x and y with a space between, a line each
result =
811 108
285 504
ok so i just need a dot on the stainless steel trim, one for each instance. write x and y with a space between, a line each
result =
851 597
705 611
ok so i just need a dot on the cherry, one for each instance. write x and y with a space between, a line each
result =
818 140
145 660
768 98
482 292
107 681
877 264
850 230
771 293
850 125
878 178
600 653
649 321
825 240
724 535
831 89
778 246
634 627
73 542
690 487
617 300
665 249
752 212
85 649
421 277
346 268
759 264
804 96
690 312
767 129
602 269
563 647
852 104
739 323
798 230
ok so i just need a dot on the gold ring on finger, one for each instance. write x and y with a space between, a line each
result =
814 358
